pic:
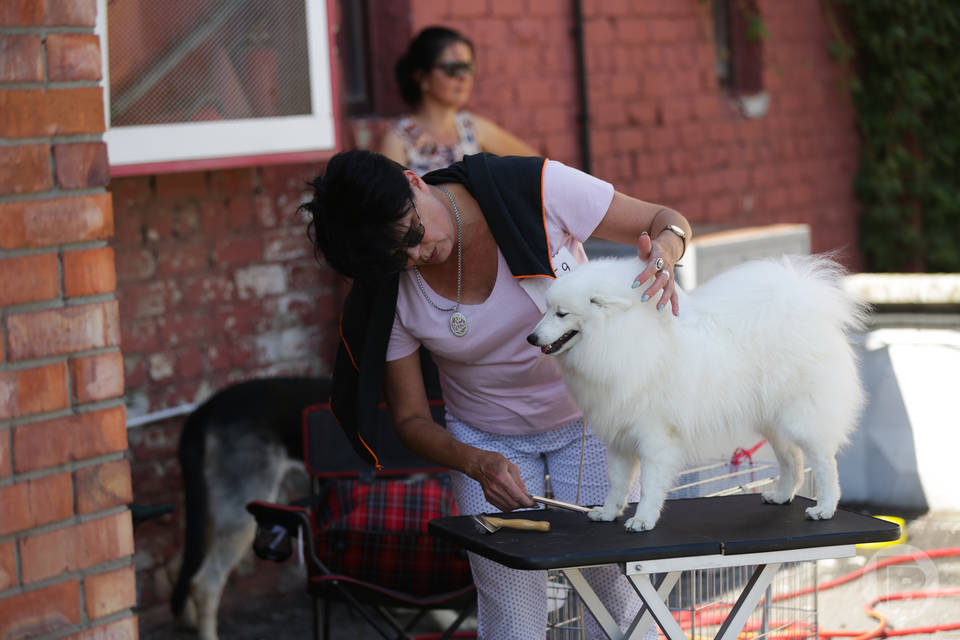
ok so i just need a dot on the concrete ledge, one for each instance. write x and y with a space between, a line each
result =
905 288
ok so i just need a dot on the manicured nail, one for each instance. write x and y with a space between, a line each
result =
635 284
659 307
644 298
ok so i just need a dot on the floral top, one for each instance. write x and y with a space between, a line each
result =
425 154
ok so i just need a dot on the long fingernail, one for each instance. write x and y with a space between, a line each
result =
635 284
644 298
659 307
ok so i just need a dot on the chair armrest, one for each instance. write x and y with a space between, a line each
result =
277 527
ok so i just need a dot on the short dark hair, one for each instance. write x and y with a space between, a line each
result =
355 214
421 56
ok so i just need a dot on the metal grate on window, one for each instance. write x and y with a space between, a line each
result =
181 61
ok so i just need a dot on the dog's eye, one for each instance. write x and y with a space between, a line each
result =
561 314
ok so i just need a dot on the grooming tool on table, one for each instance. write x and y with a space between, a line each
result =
490 524
550 502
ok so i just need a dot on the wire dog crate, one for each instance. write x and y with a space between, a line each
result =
701 598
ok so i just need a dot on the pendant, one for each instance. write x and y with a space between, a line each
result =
458 324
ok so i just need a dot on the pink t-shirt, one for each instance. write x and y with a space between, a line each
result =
492 378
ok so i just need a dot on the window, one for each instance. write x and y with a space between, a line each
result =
739 34
214 83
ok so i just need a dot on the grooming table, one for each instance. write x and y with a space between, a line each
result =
695 533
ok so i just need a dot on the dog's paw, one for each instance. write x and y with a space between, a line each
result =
777 497
818 512
603 514
637 523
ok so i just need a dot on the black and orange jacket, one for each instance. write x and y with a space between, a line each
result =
509 191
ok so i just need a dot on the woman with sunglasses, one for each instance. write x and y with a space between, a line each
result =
458 261
435 77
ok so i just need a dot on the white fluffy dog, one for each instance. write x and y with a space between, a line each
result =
761 348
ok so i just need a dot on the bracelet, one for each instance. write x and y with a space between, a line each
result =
681 234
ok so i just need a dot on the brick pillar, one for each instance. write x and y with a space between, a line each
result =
66 538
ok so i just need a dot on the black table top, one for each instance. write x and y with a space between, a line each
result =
687 527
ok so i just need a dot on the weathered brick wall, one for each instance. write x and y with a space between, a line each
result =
65 533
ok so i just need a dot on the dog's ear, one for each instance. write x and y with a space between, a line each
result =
605 301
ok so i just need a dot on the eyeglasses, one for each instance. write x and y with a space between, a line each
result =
411 237
455 69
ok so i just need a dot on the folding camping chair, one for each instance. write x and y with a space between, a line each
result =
363 533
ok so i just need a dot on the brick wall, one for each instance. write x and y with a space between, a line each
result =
66 538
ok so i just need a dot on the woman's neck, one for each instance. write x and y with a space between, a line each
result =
437 119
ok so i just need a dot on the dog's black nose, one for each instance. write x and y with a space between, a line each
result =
532 339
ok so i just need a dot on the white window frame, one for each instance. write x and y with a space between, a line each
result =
203 145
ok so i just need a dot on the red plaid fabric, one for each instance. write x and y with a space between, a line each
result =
377 532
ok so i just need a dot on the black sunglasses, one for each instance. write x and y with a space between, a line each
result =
411 238
455 69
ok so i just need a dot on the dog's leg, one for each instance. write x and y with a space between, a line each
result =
657 473
220 559
790 460
824 467
621 470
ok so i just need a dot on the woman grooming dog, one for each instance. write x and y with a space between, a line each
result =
459 261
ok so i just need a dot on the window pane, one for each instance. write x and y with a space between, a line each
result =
180 61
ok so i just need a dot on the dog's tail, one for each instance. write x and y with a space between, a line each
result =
191 453
824 272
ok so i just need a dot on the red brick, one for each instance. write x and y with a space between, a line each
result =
8 565
76 437
181 186
21 58
64 330
35 502
182 257
5 467
43 223
110 592
103 486
135 264
41 611
29 278
89 272
123 629
77 547
28 113
238 251
36 390
82 165
26 169
73 56
71 13
97 377
22 13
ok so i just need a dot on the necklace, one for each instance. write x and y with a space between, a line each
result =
458 321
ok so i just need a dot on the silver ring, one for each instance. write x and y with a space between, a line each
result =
659 264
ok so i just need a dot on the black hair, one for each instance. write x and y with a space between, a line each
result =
355 214
420 57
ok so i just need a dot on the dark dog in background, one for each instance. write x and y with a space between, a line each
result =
236 447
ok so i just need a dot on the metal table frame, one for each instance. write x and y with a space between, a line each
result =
654 594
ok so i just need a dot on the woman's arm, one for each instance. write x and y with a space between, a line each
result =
407 399
499 141
646 225
391 145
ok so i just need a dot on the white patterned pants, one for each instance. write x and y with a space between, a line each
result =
512 603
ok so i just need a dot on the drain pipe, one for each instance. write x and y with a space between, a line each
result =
583 115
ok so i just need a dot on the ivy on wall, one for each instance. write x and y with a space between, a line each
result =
906 90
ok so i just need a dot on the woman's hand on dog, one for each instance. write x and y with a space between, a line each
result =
502 485
663 283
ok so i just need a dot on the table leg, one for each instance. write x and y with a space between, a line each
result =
747 602
641 624
593 603
657 607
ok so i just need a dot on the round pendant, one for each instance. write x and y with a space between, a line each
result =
458 324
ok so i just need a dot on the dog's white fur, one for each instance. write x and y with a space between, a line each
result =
761 348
